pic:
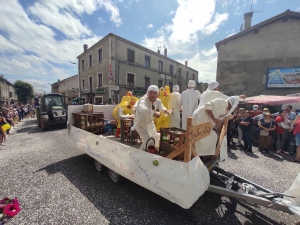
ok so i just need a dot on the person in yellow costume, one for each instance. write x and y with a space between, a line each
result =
126 104
163 121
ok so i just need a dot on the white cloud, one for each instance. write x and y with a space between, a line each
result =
171 13
40 49
101 20
217 22
230 34
149 25
298 10
7 46
209 52
63 21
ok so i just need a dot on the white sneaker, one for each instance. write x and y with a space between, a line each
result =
3 144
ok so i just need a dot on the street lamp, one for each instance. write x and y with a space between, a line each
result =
79 94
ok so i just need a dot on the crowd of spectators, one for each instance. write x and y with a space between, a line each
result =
10 116
261 128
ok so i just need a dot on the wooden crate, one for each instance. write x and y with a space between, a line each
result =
168 146
91 122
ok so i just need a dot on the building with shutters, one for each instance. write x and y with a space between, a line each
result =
7 92
114 65
69 86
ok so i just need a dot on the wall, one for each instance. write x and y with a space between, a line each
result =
243 62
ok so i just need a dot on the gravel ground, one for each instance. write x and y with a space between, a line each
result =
58 184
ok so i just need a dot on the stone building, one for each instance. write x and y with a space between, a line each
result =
69 86
7 92
246 59
114 65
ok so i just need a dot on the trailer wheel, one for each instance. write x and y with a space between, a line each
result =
100 167
115 177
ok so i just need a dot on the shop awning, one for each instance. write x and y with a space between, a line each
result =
77 99
272 99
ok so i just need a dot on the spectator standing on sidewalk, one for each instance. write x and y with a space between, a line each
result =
290 116
240 117
282 129
296 123
266 125
255 111
246 125
21 113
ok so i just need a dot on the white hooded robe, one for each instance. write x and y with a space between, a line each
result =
175 106
189 102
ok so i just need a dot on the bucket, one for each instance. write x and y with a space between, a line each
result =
109 127
151 148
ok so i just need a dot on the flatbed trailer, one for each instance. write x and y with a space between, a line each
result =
181 182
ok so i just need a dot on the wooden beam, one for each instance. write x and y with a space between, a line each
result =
223 133
187 144
176 152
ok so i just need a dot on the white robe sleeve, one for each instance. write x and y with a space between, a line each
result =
216 103
180 101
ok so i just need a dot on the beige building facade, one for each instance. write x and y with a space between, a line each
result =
69 86
114 65
245 58
7 92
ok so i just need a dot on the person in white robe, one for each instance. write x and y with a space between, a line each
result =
189 100
213 111
174 105
146 108
212 92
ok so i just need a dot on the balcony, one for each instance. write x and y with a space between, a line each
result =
94 90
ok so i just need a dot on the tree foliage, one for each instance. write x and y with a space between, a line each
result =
24 91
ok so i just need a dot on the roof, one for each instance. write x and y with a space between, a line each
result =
272 99
68 78
6 81
284 16
136 45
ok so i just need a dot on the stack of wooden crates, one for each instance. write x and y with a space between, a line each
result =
92 122
171 139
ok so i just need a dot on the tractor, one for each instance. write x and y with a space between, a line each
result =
52 111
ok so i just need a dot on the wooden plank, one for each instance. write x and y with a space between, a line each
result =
223 133
194 152
197 132
176 152
187 145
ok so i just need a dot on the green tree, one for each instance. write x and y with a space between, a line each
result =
24 91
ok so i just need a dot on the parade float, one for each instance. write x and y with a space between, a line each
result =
174 171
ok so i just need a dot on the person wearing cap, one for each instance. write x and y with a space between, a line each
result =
213 111
212 92
174 105
266 125
189 100
255 111
146 109
256 119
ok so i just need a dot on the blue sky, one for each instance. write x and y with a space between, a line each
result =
39 38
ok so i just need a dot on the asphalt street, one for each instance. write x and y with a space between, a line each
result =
58 184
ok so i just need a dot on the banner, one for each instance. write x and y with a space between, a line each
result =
283 77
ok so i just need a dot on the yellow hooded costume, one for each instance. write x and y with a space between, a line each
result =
126 104
162 121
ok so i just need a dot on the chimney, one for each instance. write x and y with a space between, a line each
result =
85 47
247 20
165 52
158 51
186 63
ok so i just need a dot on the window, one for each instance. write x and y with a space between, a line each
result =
10 94
82 81
91 84
179 72
130 55
187 75
147 61
193 76
160 65
100 54
171 69
160 83
147 82
130 79
90 59
171 85
82 64
98 100
99 79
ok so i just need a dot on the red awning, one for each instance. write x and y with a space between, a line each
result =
272 99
